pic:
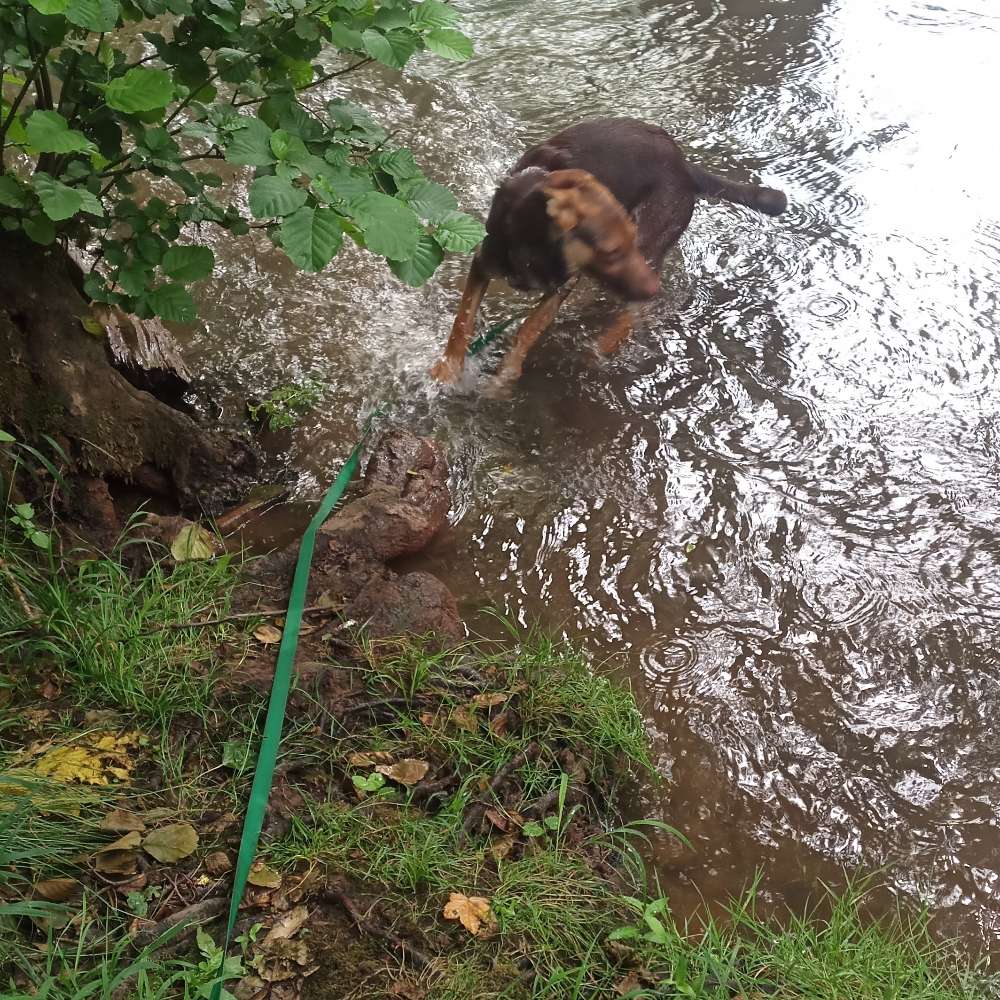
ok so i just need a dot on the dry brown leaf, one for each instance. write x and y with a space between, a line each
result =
218 863
498 819
288 925
119 821
464 719
406 772
489 700
369 758
117 862
56 890
427 719
263 877
473 911
502 846
171 843
407 990
50 690
267 634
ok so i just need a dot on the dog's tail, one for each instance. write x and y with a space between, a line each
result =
761 199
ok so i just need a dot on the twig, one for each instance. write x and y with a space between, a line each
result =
416 957
376 703
239 616
196 913
478 808
32 614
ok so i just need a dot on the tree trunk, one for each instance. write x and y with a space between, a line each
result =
57 379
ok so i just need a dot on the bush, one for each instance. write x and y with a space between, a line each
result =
93 118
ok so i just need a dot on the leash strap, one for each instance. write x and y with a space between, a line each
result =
270 743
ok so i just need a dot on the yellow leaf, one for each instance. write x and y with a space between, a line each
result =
73 764
406 772
489 700
473 911
267 634
171 843
264 877
192 542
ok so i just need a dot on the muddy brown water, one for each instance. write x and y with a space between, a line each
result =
776 511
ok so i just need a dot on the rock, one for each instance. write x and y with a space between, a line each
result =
416 604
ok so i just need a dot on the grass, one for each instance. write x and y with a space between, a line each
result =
562 928
111 638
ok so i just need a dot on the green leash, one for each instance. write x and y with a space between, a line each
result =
270 742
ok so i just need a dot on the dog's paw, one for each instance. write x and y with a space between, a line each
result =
447 371
501 386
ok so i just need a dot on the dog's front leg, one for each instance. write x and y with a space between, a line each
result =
449 368
616 333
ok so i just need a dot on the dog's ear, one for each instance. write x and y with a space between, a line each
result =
567 193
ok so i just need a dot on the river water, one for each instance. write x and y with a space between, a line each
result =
776 511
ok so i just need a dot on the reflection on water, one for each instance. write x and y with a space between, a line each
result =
778 507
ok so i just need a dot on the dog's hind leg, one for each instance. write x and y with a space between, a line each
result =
537 322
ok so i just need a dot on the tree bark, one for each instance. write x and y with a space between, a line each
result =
57 379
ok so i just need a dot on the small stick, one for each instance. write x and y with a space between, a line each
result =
32 614
196 913
240 616
415 955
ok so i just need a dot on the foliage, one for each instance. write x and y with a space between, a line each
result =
285 406
118 143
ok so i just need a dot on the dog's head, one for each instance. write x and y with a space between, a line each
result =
597 234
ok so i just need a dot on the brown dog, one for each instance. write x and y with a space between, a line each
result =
607 198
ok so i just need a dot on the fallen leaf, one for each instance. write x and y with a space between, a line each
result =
498 819
171 843
464 719
219 825
218 863
267 634
264 877
102 758
50 690
117 862
36 716
119 821
288 925
192 542
428 719
489 700
502 846
369 758
406 772
56 890
327 600
126 843
473 911
407 990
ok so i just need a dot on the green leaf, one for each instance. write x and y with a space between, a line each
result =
24 511
378 47
430 201
41 539
59 201
6 438
275 196
95 15
532 829
390 227
280 143
345 38
90 203
140 89
424 262
48 7
449 43
173 303
188 263
40 229
398 163
433 14
311 237
49 132
12 194
250 146
459 232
